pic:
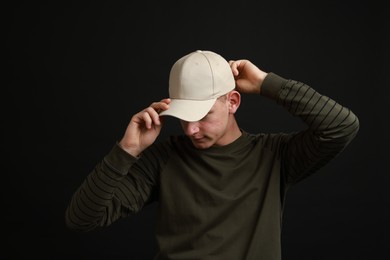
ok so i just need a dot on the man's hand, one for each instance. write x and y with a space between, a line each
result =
249 78
144 127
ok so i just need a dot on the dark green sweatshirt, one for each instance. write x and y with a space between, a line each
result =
225 202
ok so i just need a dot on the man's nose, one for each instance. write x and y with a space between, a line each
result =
191 128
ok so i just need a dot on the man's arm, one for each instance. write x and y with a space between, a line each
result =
109 192
331 126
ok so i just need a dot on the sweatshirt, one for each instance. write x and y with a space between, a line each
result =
224 202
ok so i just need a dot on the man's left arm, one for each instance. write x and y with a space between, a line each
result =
330 126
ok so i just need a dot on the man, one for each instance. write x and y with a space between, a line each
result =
220 189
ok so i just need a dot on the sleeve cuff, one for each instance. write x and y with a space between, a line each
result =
272 84
119 159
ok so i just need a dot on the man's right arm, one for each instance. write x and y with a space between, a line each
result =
109 192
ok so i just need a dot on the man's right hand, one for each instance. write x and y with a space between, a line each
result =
144 127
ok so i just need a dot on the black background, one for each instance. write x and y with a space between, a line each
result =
76 71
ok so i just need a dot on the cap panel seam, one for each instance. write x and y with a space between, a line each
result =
212 72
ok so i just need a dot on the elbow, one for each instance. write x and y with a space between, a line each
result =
341 135
348 130
352 126
75 223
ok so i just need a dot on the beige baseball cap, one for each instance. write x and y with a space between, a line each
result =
196 80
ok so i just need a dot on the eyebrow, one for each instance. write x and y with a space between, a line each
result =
210 111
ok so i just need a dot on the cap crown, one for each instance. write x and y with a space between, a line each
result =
200 75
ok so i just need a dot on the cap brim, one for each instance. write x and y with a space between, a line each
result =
188 110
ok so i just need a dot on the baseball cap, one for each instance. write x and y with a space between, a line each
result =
195 82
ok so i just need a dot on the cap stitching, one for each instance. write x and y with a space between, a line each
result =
212 73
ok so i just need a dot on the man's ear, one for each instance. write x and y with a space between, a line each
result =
234 100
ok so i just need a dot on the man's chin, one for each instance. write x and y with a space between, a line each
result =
201 144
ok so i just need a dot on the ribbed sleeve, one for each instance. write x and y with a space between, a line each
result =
109 192
330 126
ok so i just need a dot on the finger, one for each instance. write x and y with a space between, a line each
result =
166 100
233 65
146 119
161 106
153 115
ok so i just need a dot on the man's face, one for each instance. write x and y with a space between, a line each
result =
211 129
